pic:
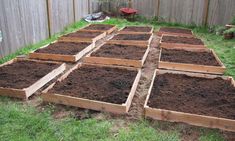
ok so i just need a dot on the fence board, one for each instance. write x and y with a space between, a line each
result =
186 12
81 9
61 14
221 12
22 22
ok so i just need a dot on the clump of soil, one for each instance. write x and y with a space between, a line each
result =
23 74
182 93
137 29
84 34
65 48
182 40
141 37
99 27
106 84
120 51
189 57
175 30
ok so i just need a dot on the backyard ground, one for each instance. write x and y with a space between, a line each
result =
34 120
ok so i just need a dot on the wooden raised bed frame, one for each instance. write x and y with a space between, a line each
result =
179 45
193 67
25 93
61 57
131 42
133 32
91 104
81 39
193 119
117 61
109 31
160 33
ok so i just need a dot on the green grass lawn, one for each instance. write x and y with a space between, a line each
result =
23 122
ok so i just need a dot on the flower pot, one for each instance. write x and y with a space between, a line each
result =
228 36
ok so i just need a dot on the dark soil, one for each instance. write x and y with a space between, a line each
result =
178 92
182 40
175 30
137 29
84 34
23 74
111 85
141 37
65 48
99 27
189 57
120 51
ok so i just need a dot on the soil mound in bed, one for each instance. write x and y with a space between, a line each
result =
83 34
175 30
65 48
120 51
189 57
143 37
111 85
182 93
182 40
99 27
23 74
137 29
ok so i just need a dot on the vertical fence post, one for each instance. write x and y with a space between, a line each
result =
158 8
74 11
206 12
48 4
89 6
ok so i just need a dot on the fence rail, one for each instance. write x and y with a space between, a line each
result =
24 22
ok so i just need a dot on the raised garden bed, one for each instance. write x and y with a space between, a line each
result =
175 31
193 98
95 87
201 60
100 27
118 54
21 78
63 51
132 39
136 30
180 42
83 36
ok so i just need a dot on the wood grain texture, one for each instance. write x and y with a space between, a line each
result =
61 12
221 12
81 9
22 22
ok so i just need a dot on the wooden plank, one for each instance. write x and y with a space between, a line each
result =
27 92
82 39
61 14
109 31
90 104
193 119
179 45
115 61
61 57
131 42
221 12
81 9
121 31
193 67
26 18
160 33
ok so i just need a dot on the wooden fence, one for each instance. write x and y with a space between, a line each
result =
24 22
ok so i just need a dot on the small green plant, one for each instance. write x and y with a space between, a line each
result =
220 30
233 20
231 30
